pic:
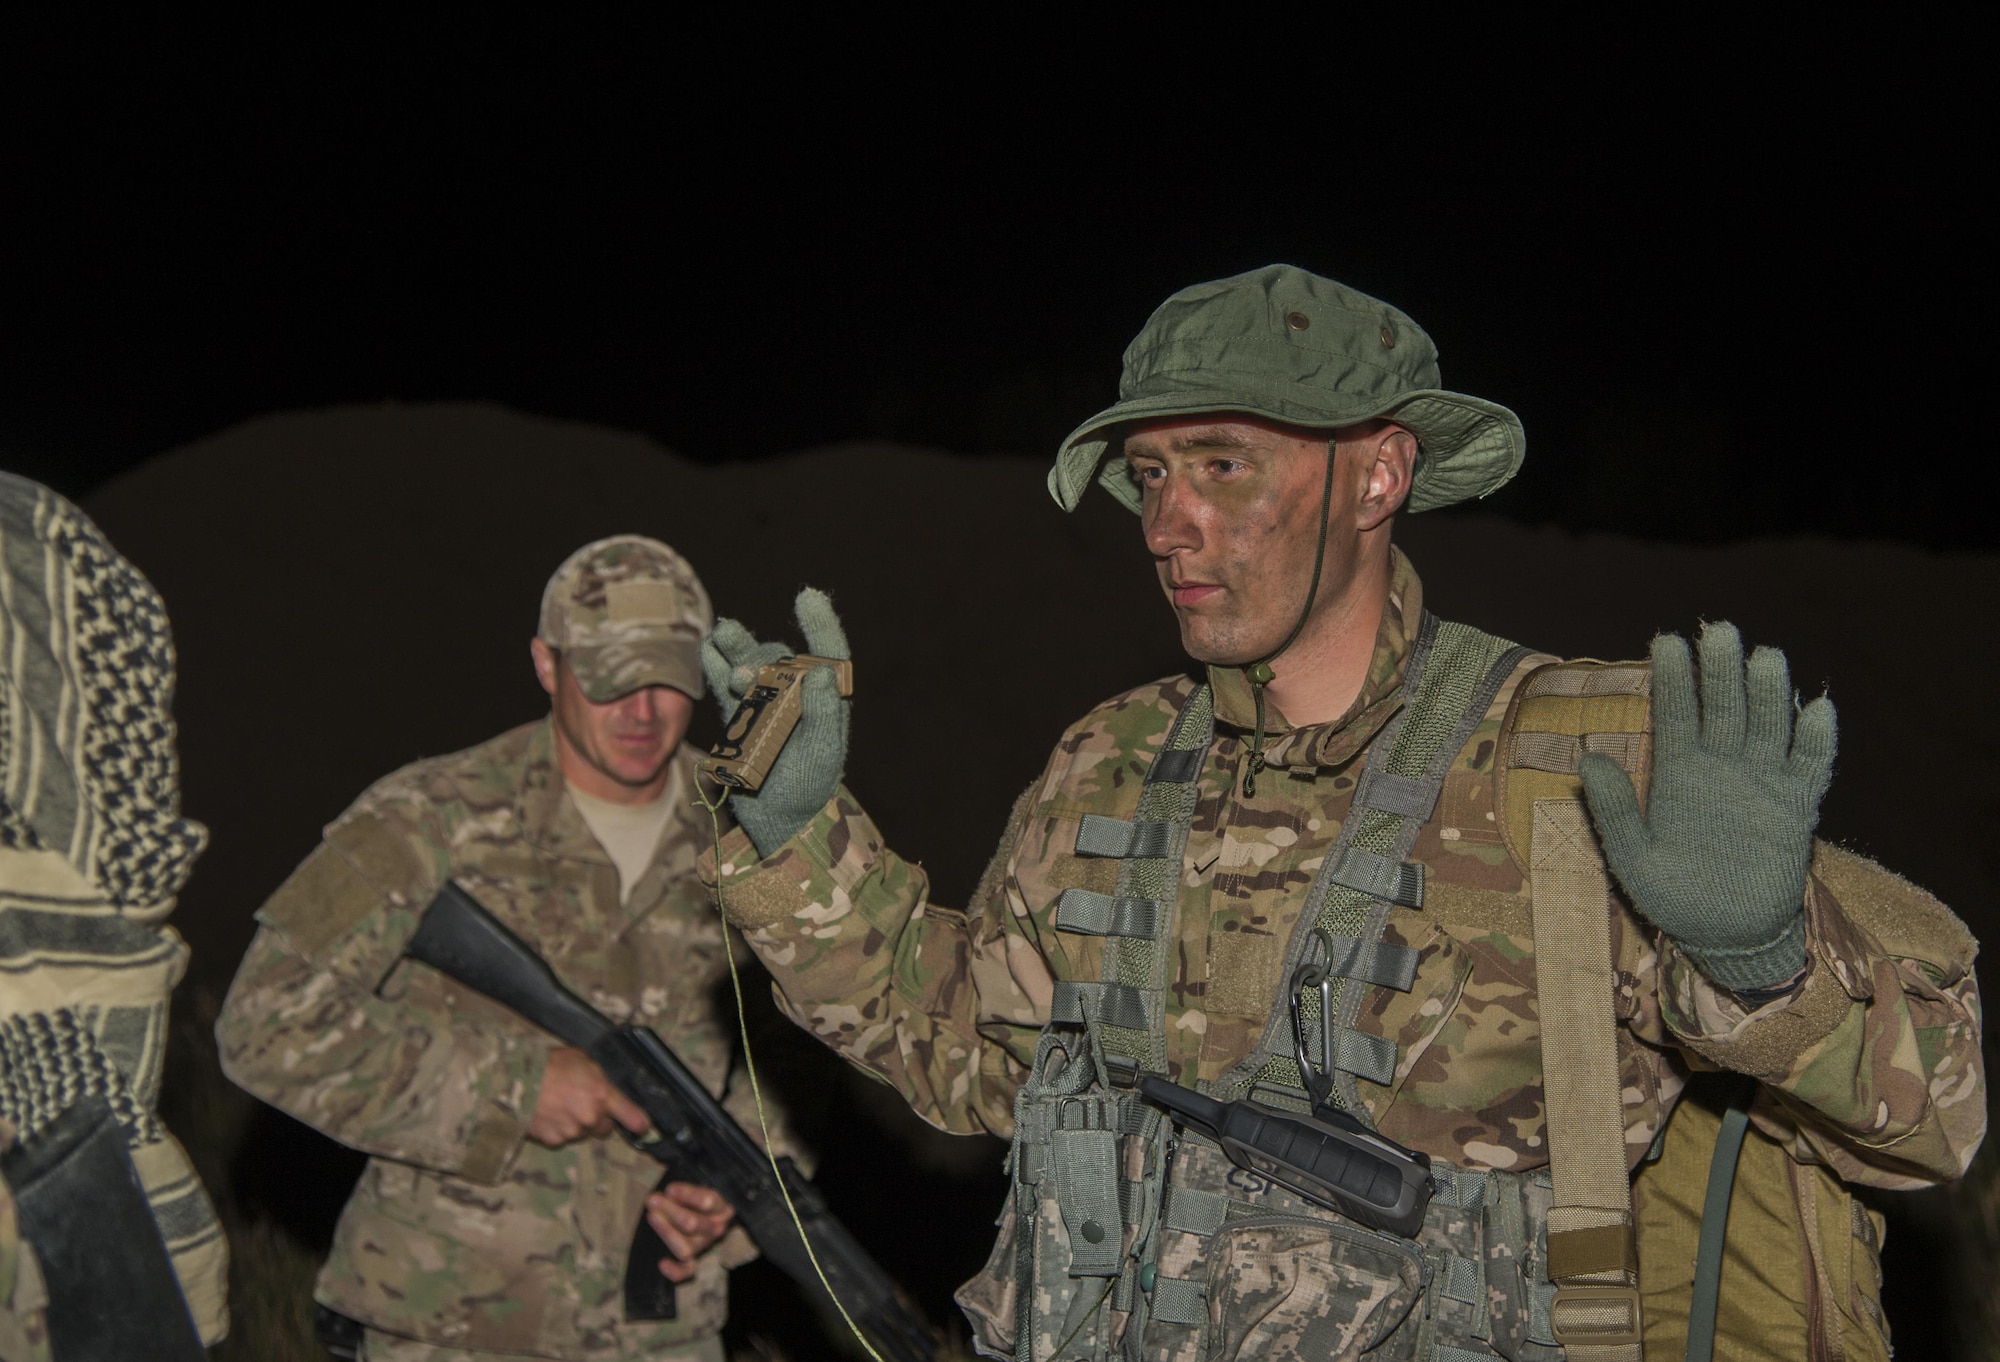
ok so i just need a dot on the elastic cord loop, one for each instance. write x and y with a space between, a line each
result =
750 1067
1260 672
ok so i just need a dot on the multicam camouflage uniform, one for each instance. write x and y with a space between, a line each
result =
462 1234
1871 1064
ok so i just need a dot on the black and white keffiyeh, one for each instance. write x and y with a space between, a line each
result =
87 764
93 850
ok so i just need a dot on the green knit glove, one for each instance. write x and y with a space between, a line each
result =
1718 860
808 770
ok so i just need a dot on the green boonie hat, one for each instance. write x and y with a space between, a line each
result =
1289 346
627 612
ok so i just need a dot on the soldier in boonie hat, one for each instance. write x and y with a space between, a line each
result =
1403 923
627 612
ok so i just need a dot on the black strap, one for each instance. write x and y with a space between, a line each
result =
113 1292
339 1334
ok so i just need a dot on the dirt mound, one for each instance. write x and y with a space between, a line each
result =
354 588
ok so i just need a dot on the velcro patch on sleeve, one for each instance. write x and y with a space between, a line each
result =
760 900
324 900
1908 921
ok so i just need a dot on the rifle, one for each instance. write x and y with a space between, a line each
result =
699 1141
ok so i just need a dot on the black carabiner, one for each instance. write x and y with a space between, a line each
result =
1317 1079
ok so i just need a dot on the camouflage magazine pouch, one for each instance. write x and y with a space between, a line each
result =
1060 1280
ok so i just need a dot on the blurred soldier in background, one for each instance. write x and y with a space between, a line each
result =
499 1208
92 852
1360 868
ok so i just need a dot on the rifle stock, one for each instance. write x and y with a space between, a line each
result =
699 1141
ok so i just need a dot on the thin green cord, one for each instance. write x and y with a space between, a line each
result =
750 1067
1089 1315
1260 673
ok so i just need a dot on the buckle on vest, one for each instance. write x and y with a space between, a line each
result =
1599 1316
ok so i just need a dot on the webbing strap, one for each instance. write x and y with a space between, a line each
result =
1360 1053
1179 1300
1078 1002
1193 1211
1374 962
1363 1055
1380 877
1452 675
1086 910
1463 1279
1086 1166
1406 795
1116 838
1562 753
1461 1187
1715 1224
1137 966
1593 1256
1447 1353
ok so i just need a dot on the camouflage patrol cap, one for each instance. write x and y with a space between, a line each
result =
627 612
1289 346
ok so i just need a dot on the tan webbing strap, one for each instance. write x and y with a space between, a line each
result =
1593 1256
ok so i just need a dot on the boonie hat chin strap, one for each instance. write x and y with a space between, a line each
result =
1260 673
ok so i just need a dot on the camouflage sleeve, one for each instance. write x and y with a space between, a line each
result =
939 1004
322 1023
1876 1051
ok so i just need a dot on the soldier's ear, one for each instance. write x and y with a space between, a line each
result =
545 664
1392 464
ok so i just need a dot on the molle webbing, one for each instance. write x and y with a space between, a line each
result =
1453 673
1373 962
1129 1004
1084 910
1119 839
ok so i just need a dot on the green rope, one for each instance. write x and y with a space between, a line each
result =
750 1067
1260 673
1715 1223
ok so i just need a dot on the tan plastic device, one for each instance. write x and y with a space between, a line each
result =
742 757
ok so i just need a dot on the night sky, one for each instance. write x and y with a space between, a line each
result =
1734 286
1735 282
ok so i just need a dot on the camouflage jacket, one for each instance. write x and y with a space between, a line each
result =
1871 1063
460 1232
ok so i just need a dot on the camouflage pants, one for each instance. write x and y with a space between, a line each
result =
381 1347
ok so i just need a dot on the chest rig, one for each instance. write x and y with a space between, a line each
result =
1127 1236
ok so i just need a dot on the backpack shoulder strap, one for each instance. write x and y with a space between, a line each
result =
1560 712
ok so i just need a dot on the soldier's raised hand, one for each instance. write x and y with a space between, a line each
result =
808 770
1718 859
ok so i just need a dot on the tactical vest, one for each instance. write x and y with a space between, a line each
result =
1126 1237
